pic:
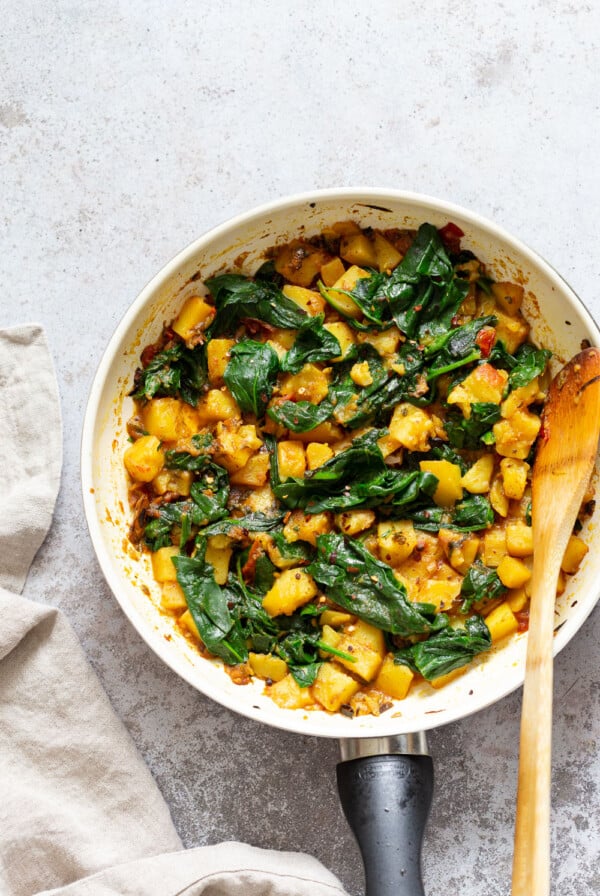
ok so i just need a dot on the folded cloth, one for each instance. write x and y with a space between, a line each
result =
80 814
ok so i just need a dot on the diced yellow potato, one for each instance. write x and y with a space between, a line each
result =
195 316
442 680
365 662
254 474
275 555
162 418
501 622
513 572
299 262
351 522
360 374
324 432
283 339
368 635
217 358
460 549
449 488
186 620
347 282
260 500
309 384
291 458
517 599
178 482
329 636
477 479
484 384
292 589
521 398
310 301
219 558
235 444
385 342
498 498
394 679
333 687
493 546
335 618
358 249
332 271
512 329
574 554
344 334
288 694
144 459
515 436
267 666
412 427
307 526
509 296
343 228
317 454
514 477
440 592
396 540
388 445
387 255
163 568
217 404
519 539
172 597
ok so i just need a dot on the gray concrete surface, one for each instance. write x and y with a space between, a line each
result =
129 128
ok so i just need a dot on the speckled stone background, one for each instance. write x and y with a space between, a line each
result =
128 128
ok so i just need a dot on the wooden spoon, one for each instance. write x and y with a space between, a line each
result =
563 466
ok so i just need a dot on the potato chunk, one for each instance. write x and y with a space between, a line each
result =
219 558
412 427
310 301
449 488
477 479
387 255
169 419
307 526
574 554
501 622
351 522
195 316
317 454
288 694
484 384
216 405
332 271
267 666
519 539
254 473
293 589
235 444
358 249
333 687
144 459
515 436
396 541
514 477
291 459
309 384
394 679
512 572
347 282
163 568
217 358
509 296
344 334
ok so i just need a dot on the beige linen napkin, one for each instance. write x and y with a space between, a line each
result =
80 814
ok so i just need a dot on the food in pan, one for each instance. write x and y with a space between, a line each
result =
330 464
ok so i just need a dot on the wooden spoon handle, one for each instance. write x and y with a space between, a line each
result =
564 463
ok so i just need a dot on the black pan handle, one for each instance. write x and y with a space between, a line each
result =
386 799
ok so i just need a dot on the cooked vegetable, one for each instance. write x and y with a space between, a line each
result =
331 463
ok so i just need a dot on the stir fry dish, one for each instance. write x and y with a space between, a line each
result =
330 466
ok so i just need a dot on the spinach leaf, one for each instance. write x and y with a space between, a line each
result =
472 514
313 343
183 460
469 434
456 348
480 583
530 362
174 371
208 603
207 502
356 477
237 298
239 528
367 588
447 650
251 374
300 416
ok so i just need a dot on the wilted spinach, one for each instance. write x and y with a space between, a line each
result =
251 374
469 433
480 583
174 371
239 298
313 343
447 649
300 416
